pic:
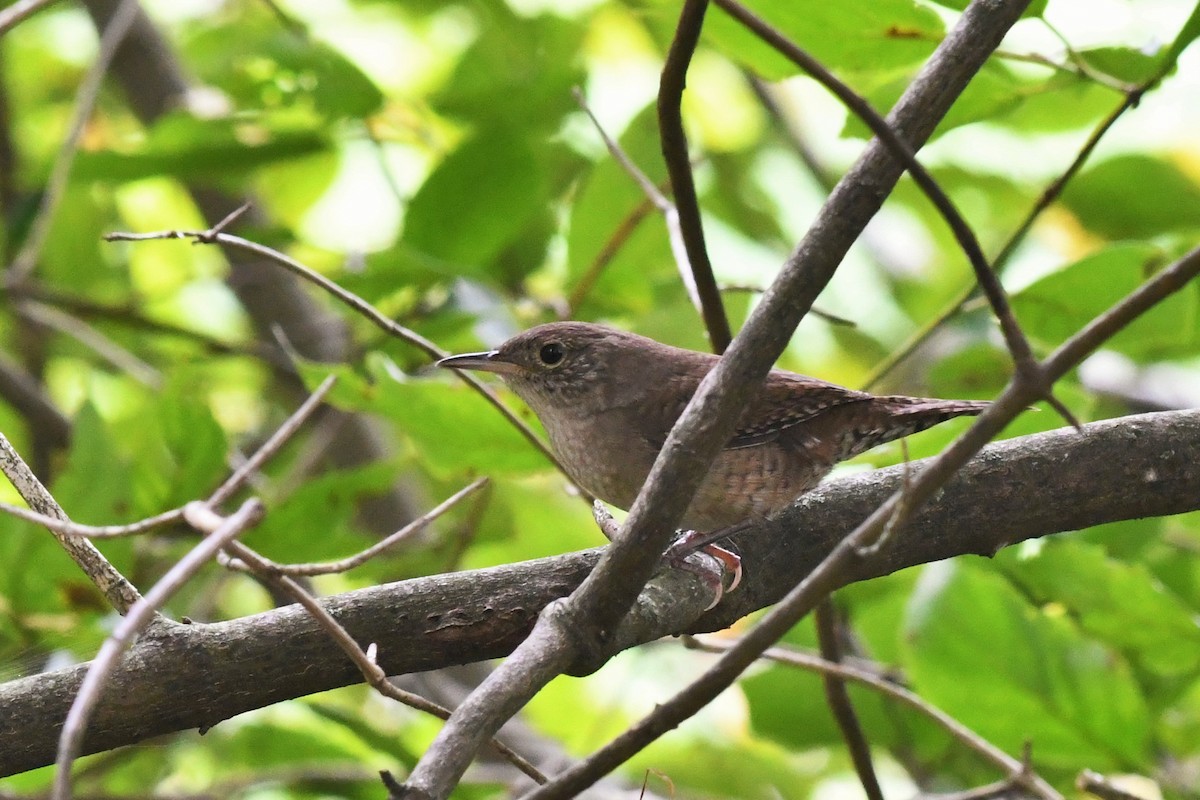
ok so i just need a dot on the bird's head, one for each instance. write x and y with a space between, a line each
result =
561 364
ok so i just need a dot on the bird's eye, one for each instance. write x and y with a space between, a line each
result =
551 354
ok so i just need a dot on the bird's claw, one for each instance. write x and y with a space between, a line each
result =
727 562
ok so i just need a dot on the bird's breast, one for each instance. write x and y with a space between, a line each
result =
602 453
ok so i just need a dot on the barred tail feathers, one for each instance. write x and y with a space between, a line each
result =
899 416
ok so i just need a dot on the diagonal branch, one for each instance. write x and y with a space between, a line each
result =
985 275
114 33
120 593
216 236
847 672
838 700
578 631
868 537
1047 198
19 11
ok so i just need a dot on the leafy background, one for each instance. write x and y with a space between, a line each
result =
430 157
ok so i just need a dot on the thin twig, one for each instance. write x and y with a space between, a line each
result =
468 529
363 556
832 319
656 197
1081 64
1014 338
624 230
1047 198
277 440
56 184
968 738
1096 784
28 396
120 593
69 528
94 340
648 187
129 315
139 617
679 167
363 659
359 305
19 11
839 701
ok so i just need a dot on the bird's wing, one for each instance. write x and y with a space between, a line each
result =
785 400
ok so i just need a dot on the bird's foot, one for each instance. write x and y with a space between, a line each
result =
677 555
727 561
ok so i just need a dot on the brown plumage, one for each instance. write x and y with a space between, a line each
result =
608 400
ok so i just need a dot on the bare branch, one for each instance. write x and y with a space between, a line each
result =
1013 767
19 11
143 612
92 339
679 167
363 659
1015 490
1096 784
1047 198
656 198
1018 345
69 528
583 624
120 593
839 701
28 396
277 440
362 557
356 303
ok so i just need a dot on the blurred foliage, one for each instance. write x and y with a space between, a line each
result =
430 157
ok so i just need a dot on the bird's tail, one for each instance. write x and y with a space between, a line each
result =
898 416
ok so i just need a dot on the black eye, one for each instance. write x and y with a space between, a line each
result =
551 354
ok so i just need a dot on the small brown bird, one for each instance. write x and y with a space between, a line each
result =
608 400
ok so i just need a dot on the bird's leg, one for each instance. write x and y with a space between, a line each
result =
691 541
683 546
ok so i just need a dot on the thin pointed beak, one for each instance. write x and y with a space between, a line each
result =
489 361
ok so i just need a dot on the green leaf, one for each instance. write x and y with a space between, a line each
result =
1055 307
1134 197
519 75
1124 63
476 203
1015 673
194 450
861 36
610 209
1118 603
262 65
453 429
327 503
1187 35
192 148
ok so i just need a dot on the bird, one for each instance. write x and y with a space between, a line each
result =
608 399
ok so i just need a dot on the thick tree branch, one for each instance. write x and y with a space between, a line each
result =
193 676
